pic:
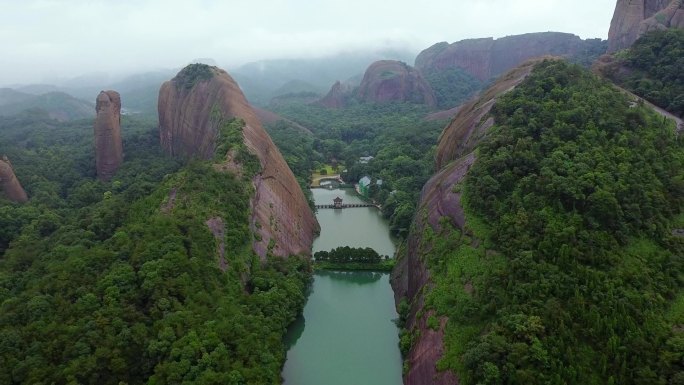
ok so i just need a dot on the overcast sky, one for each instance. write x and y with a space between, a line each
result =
42 40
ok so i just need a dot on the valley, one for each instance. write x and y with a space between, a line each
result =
346 333
492 210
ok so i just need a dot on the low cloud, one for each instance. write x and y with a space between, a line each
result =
47 39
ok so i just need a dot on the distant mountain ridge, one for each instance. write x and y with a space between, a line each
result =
263 80
488 58
57 105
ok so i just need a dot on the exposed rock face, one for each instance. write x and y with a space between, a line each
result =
394 81
455 156
633 18
336 97
487 58
280 212
10 184
108 147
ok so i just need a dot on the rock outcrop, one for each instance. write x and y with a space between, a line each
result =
633 18
337 97
395 81
439 199
488 58
280 215
108 146
10 184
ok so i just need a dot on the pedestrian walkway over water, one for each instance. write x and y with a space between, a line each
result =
344 206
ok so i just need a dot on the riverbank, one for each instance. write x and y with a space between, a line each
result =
350 305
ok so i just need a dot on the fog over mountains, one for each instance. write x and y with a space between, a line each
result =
49 42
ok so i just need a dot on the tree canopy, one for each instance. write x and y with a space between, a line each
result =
576 276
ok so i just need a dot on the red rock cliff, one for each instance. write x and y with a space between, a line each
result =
394 81
455 156
280 212
108 147
487 58
10 184
633 18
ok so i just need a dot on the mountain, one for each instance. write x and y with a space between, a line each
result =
58 105
296 86
651 68
108 147
138 91
488 58
439 200
12 96
518 266
394 81
337 97
633 18
112 278
195 107
262 80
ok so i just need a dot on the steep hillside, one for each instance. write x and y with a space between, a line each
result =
193 109
393 81
545 249
149 278
633 18
651 68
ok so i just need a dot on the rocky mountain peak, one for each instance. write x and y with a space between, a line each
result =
108 146
395 81
188 106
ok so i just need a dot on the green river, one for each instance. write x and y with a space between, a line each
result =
346 335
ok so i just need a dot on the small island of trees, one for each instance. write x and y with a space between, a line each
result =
352 258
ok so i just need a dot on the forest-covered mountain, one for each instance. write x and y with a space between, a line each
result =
56 105
545 249
152 277
651 68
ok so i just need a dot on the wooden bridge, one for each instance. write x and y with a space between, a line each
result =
344 206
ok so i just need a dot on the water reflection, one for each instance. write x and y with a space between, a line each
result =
349 336
294 332
352 277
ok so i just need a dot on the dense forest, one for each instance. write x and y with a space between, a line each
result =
568 270
396 134
652 69
120 282
453 86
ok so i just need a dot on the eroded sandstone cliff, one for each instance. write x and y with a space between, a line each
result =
440 200
108 146
394 81
280 216
10 184
487 57
633 18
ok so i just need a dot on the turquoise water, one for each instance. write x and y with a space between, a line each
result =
346 334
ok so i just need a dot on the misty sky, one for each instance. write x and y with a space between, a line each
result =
44 40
